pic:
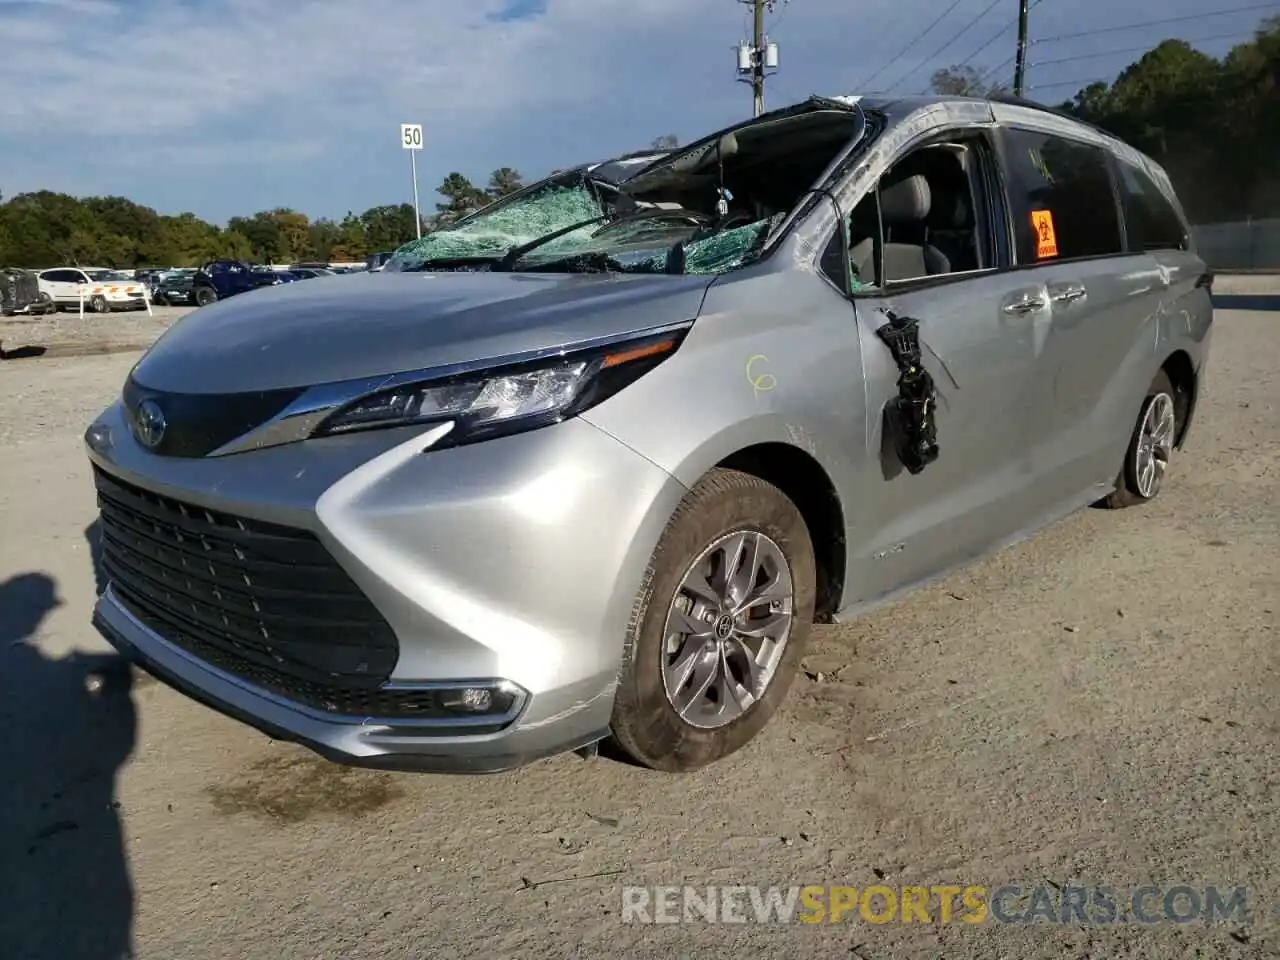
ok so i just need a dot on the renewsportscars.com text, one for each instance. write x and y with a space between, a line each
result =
974 904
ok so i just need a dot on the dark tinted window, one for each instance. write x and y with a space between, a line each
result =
1062 199
1150 220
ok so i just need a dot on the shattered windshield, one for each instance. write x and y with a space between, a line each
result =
662 244
491 235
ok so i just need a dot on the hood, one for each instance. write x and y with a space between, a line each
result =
342 328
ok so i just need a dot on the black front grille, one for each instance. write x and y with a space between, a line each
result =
199 423
263 602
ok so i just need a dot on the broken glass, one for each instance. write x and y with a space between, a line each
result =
515 223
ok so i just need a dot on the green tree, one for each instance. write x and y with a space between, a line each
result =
963 80
461 197
503 181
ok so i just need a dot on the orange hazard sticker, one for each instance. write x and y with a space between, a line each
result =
1046 239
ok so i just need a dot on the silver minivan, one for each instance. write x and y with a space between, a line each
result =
600 483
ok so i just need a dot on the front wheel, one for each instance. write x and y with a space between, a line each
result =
1146 461
99 305
205 296
719 626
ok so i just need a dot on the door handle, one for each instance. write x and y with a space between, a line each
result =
1021 304
1068 292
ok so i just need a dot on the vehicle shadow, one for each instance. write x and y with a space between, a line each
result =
1246 301
66 726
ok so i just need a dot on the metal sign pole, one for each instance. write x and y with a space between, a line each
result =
413 167
411 140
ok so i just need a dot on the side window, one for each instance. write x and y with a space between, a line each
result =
1063 202
1151 223
928 217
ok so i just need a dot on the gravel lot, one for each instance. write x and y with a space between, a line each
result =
1098 705
68 334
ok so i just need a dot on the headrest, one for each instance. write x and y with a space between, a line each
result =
907 201
953 214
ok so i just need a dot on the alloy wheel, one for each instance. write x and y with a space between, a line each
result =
727 628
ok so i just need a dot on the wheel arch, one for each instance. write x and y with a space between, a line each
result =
1181 372
808 485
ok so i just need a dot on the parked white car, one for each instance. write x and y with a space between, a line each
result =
103 290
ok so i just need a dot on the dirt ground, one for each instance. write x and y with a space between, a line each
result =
1098 705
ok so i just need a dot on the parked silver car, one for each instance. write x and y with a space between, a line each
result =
603 485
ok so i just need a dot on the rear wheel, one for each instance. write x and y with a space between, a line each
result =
719 626
205 296
1150 448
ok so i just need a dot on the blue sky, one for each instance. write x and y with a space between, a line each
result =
223 107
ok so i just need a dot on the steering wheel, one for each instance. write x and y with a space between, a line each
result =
733 221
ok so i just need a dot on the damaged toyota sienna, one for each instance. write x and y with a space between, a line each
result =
600 482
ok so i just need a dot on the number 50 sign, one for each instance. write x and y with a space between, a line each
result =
411 136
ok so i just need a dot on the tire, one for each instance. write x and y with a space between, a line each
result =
645 724
160 301
46 304
204 296
99 304
1146 460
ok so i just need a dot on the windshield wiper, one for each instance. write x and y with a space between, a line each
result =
509 259
474 260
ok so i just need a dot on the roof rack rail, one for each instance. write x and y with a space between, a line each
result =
1014 101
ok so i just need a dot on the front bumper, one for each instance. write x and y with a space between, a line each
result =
516 559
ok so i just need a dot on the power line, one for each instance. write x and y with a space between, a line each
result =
941 50
1115 53
1155 23
918 37
999 34
1079 84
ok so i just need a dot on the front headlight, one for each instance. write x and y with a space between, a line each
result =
509 398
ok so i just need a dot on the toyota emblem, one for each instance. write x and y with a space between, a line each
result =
149 424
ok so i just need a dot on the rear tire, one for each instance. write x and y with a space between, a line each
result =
1146 461
694 687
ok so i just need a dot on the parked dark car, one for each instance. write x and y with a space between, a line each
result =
219 279
310 273
173 289
20 293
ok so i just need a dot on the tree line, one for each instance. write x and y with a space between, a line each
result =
1214 124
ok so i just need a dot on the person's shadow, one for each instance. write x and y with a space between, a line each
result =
66 726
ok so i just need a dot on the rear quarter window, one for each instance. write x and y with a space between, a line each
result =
1061 197
1151 223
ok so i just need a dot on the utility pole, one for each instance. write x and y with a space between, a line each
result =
1020 65
758 58
757 42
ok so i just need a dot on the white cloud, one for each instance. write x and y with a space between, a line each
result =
171 101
